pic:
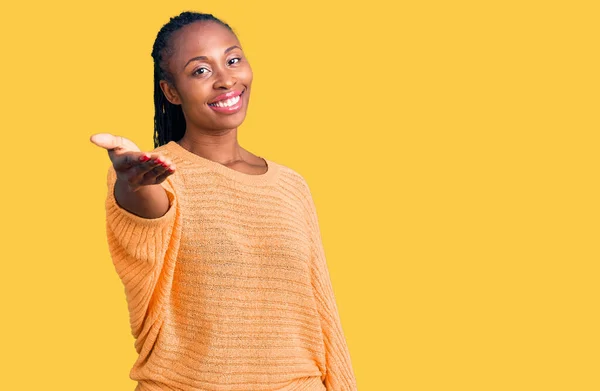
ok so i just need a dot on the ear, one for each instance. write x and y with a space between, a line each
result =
170 92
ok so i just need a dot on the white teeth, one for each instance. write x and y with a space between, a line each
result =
227 103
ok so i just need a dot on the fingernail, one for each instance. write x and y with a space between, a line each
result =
144 158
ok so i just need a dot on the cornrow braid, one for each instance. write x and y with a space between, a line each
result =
169 121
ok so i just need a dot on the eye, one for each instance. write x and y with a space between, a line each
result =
196 71
236 58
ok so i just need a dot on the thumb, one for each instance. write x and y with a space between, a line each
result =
111 142
106 140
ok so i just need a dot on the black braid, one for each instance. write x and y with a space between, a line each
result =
169 122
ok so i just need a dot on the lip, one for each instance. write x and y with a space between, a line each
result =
232 109
226 96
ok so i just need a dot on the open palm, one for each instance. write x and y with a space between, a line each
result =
133 166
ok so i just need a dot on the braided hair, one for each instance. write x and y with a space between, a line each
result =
169 122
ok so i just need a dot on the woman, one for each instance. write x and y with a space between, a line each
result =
219 250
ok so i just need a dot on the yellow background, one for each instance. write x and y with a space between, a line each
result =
452 151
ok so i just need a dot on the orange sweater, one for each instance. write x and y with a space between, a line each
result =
230 289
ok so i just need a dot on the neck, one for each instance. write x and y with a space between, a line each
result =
222 147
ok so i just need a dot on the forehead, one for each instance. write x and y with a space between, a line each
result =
206 38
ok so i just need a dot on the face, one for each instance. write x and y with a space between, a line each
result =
211 74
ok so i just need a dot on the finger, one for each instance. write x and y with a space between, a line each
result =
161 178
148 166
156 171
128 160
157 174
149 177
157 159
169 171
107 140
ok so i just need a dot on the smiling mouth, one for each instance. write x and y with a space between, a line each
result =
228 102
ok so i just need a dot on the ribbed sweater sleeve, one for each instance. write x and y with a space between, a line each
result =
339 375
139 248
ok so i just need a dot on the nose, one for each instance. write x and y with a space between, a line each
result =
225 79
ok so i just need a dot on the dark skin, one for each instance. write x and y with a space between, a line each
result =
209 134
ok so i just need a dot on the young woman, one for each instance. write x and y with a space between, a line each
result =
219 250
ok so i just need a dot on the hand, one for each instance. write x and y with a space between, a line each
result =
132 166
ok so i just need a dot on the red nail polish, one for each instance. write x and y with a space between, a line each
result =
144 158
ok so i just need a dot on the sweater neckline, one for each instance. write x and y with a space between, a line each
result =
250 179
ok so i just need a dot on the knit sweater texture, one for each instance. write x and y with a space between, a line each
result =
230 289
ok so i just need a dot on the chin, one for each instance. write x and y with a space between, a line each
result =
233 121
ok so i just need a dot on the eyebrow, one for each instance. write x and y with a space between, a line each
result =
198 58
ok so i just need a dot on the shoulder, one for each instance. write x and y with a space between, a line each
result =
295 183
291 176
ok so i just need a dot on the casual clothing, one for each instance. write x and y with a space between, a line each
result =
229 290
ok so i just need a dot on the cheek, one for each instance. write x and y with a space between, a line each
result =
197 93
248 75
